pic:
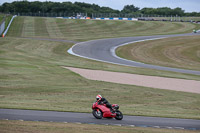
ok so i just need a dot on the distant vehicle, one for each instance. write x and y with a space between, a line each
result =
100 111
194 31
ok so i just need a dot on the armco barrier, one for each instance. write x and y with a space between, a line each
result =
74 17
133 19
5 32
2 27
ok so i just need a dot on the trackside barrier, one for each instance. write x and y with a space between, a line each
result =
133 19
2 27
74 17
5 32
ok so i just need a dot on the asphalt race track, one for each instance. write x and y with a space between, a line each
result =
65 117
104 50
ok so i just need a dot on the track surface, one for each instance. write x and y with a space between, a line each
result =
138 121
104 50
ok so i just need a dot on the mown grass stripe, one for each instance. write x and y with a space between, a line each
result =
40 27
81 30
52 28
16 27
28 27
179 52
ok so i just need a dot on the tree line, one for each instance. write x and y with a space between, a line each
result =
80 7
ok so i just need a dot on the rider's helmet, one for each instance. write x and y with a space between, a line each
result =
98 97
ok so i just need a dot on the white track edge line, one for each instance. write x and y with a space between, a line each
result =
70 51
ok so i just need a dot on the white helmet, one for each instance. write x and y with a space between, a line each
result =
98 97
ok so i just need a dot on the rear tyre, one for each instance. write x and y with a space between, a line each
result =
119 115
97 114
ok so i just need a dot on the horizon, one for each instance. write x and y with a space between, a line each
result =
186 5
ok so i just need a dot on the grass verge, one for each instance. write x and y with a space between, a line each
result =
31 77
82 30
179 52
8 18
52 127
1 17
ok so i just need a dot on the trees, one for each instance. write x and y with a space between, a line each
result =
81 7
178 11
130 9
148 11
163 11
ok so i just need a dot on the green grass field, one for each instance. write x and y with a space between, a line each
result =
32 77
7 19
1 17
178 52
51 127
81 30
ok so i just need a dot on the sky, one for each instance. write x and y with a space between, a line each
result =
187 5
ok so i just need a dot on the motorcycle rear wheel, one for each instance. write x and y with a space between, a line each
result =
119 115
97 114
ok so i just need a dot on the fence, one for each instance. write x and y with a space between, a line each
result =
114 15
147 17
40 14
2 26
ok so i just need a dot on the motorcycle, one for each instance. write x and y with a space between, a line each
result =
101 111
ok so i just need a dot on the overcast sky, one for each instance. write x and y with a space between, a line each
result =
187 5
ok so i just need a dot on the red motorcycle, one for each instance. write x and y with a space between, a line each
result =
100 110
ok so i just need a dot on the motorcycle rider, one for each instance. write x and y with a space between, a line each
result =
102 100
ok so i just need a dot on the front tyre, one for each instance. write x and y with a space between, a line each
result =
97 114
119 115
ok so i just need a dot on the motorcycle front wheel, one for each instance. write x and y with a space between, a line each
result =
119 115
97 114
